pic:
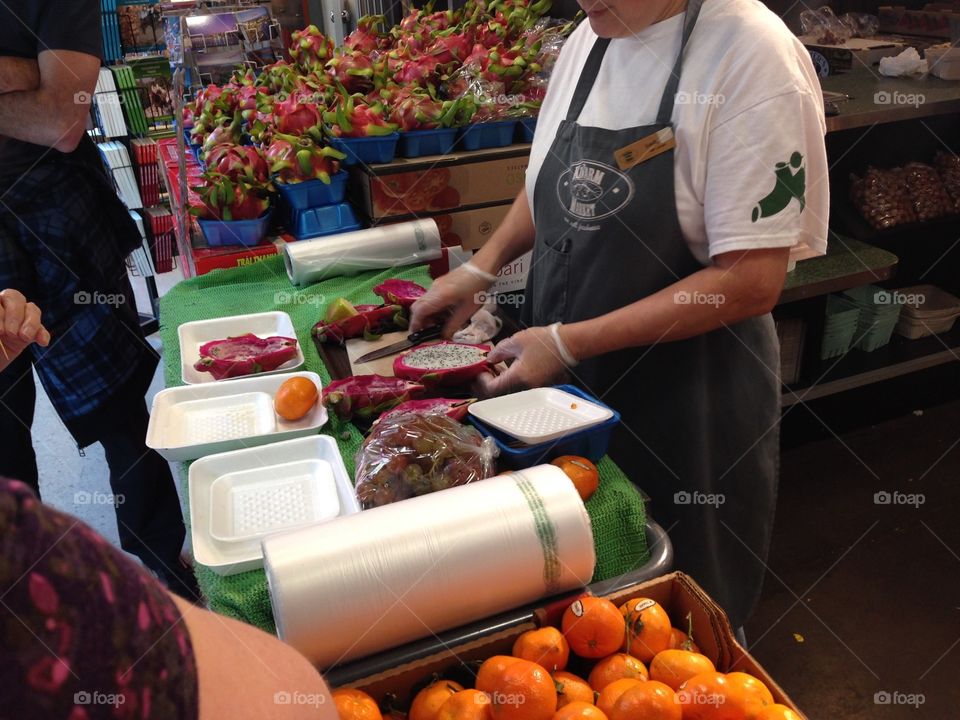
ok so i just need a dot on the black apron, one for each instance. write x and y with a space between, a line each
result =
700 429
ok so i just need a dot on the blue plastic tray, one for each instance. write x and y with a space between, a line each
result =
195 149
368 150
526 128
320 221
236 232
418 143
315 193
487 135
591 443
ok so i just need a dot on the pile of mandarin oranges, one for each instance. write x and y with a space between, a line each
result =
635 666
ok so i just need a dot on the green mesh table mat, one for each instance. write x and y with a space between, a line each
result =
616 510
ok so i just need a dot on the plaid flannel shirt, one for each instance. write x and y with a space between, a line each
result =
63 244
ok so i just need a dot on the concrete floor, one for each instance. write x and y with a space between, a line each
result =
860 599
860 615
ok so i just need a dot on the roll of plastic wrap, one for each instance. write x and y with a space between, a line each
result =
408 243
389 575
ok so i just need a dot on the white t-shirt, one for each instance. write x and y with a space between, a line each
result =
748 100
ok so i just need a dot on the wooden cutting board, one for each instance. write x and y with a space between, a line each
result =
384 366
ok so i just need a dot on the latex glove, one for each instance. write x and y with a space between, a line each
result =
20 326
456 295
537 362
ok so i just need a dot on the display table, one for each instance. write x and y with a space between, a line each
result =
616 510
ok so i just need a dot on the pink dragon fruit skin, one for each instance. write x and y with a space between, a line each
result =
369 320
245 355
399 292
367 396
442 363
453 409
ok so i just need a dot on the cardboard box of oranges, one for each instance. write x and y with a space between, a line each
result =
624 656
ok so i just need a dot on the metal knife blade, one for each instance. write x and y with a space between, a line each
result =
429 333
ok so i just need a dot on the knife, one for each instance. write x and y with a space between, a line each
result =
428 333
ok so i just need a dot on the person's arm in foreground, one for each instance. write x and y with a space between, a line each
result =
737 286
18 74
20 326
457 292
246 674
54 114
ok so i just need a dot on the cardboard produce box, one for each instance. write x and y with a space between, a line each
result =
934 20
468 229
438 183
676 592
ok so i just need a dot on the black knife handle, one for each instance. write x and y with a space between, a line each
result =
428 333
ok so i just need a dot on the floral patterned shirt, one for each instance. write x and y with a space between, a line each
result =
85 631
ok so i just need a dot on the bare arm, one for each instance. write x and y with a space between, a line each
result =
55 113
512 239
245 674
737 286
18 74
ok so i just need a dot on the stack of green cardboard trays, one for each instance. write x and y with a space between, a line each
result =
839 326
879 312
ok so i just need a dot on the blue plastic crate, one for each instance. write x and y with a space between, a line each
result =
487 135
320 221
418 143
591 443
315 193
526 128
235 232
369 149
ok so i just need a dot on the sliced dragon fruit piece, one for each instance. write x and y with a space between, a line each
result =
245 355
399 292
453 409
366 396
442 363
369 321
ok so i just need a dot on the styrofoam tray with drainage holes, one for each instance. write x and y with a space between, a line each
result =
251 504
190 422
539 415
237 547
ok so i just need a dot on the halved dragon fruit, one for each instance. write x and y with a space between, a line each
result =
368 321
366 396
442 363
399 292
453 409
245 355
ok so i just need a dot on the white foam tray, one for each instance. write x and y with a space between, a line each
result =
197 420
194 334
229 558
539 415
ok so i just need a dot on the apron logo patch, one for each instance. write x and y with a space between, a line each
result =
791 183
591 190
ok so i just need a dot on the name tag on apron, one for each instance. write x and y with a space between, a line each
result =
645 149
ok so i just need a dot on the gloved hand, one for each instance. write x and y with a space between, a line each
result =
538 361
456 295
20 326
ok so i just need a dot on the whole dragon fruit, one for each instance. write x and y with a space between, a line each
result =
297 159
399 292
279 77
354 117
228 200
443 363
293 117
310 49
228 132
369 321
239 161
415 109
356 71
367 396
365 39
245 355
